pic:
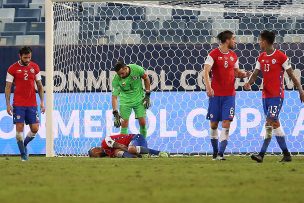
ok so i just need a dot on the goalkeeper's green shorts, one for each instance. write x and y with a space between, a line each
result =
126 110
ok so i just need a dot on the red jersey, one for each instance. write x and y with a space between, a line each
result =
107 143
223 66
272 67
24 78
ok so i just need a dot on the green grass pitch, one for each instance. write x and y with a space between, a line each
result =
173 180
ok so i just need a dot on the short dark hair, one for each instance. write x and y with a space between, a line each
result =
119 65
269 36
102 153
25 50
223 36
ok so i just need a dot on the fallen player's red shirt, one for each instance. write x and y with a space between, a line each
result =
124 139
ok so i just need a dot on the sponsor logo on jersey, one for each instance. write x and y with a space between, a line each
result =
273 61
134 77
231 58
19 71
220 58
263 61
32 70
267 61
226 58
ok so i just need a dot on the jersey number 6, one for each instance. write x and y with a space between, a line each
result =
226 64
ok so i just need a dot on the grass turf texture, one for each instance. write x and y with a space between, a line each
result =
174 180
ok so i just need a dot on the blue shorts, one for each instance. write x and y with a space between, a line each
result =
138 140
22 114
272 107
221 108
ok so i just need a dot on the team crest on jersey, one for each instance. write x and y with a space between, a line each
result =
273 61
231 58
18 117
123 83
211 115
134 77
32 70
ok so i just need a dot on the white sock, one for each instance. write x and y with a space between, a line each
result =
31 134
224 134
214 133
19 136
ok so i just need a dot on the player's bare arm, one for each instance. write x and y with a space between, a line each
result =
120 154
296 82
117 117
41 95
206 73
252 79
117 145
241 73
8 88
114 103
147 83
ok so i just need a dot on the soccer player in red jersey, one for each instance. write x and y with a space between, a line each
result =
272 63
23 75
124 146
223 64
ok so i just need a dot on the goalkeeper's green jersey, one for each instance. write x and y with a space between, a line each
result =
130 89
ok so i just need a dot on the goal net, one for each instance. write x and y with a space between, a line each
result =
171 40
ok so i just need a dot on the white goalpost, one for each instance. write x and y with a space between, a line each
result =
49 64
170 40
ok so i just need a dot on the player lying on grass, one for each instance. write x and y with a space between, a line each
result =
24 74
124 146
272 63
127 85
223 64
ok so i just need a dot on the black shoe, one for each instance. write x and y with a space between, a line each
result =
286 159
257 158
221 158
214 156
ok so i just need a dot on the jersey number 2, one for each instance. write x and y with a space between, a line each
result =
25 76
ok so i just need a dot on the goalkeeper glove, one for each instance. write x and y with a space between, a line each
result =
117 117
147 102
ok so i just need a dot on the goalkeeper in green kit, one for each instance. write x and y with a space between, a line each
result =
127 85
